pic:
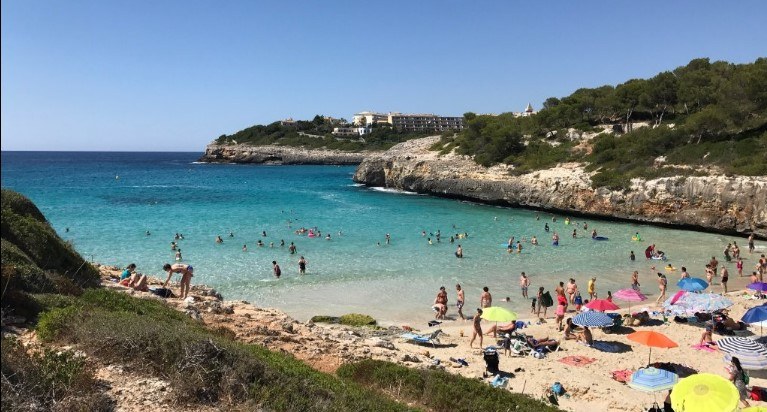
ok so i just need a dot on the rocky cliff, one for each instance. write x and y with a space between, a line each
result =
284 155
715 203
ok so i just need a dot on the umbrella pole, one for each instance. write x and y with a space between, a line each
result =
649 357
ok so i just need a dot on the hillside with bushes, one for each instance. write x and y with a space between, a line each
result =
705 117
317 134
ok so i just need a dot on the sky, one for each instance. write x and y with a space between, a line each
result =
135 75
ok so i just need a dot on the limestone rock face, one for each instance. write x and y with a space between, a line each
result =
282 155
716 203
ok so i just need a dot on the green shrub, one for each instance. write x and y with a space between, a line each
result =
436 389
356 319
48 301
325 319
54 322
59 381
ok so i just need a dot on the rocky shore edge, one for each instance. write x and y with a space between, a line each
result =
280 155
722 204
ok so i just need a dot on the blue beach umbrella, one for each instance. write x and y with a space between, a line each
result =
653 380
752 354
756 314
692 284
593 319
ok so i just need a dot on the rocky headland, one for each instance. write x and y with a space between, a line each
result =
281 155
726 204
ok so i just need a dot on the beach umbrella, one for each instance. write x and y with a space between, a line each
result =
697 302
756 315
704 392
692 284
754 409
760 286
653 340
498 314
751 354
629 295
653 380
592 319
602 305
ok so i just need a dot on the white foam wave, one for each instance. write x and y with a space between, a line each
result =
395 191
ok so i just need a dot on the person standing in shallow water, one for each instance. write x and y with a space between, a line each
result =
485 299
459 252
662 283
276 269
302 265
524 284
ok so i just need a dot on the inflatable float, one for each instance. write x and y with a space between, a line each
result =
658 258
636 239
600 238
311 234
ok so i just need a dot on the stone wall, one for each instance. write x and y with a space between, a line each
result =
284 155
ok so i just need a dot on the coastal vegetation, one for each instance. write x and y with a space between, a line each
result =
705 116
317 134
350 319
77 327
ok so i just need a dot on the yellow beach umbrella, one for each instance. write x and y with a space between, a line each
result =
704 392
498 314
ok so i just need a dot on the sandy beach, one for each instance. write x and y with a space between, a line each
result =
589 387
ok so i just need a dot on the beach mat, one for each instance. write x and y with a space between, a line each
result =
623 375
577 360
703 348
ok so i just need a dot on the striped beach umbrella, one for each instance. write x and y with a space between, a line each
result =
692 284
653 380
592 319
751 354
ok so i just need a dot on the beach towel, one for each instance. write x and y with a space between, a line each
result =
605 347
623 375
703 348
546 300
577 360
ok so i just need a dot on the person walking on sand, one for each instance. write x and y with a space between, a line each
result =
524 283
276 269
477 328
302 265
485 299
186 271
540 303
751 246
635 281
459 301
739 266
662 283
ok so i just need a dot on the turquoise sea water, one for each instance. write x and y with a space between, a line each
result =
109 200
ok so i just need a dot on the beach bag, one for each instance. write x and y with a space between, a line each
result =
578 299
546 300
557 389
745 378
758 393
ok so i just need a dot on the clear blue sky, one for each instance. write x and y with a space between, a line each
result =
174 75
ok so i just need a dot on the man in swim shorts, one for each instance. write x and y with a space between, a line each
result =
485 300
459 301
524 284
186 271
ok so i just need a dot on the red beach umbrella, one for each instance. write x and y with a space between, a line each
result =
602 305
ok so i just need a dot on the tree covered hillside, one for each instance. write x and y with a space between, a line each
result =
317 133
700 116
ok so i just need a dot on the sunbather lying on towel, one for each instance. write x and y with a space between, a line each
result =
508 328
542 343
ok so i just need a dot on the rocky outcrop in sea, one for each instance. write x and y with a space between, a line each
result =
727 204
282 155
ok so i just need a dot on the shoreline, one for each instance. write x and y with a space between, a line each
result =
325 347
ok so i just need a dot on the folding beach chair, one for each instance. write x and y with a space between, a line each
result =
432 339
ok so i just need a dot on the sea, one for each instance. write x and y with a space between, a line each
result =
118 208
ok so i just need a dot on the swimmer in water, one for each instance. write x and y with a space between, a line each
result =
534 241
555 239
575 234
546 227
244 248
219 240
